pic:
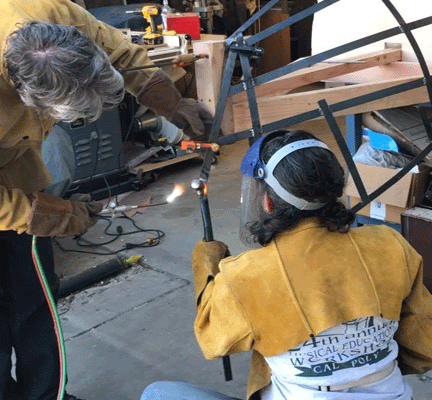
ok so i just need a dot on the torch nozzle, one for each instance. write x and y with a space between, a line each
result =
200 187
197 184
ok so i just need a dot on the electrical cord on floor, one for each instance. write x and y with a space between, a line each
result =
155 235
154 239
56 319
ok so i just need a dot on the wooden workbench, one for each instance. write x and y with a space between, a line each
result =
208 78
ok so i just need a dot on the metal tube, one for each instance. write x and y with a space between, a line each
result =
86 278
206 218
420 57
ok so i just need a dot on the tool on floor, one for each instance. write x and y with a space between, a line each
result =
202 191
121 209
113 208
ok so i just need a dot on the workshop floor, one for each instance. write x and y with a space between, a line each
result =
137 327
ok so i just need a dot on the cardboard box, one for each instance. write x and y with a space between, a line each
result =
404 194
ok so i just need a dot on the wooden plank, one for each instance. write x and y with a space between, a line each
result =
146 167
208 76
273 109
382 73
321 72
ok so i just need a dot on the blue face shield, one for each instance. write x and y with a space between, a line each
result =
253 166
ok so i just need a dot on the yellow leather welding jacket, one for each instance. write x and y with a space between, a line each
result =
307 280
21 129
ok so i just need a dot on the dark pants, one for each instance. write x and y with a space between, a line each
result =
25 321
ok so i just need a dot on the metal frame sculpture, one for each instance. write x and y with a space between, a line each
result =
243 49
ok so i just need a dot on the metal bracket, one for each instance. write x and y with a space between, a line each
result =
240 47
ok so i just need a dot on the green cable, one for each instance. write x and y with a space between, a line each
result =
56 318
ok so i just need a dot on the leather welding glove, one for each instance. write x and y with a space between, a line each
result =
161 96
53 216
205 263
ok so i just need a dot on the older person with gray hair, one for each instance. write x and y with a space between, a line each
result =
58 63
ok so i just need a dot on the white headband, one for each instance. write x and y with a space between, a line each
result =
270 179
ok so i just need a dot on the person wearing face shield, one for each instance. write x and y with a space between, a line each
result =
329 311
58 63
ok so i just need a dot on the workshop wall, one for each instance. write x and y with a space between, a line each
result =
348 20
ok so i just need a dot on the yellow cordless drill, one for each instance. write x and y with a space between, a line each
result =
152 35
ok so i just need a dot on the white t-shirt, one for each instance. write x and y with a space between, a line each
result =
341 354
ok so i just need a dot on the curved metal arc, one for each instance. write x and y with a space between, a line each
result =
414 44
336 51
419 157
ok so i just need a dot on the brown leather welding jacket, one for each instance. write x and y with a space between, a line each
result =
22 130
307 280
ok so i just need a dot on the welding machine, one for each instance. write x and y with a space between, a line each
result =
99 164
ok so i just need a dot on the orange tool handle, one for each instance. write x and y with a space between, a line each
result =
193 145
185 59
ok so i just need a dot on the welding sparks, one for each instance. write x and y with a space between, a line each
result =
178 191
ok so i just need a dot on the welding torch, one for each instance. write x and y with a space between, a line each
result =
201 189
110 211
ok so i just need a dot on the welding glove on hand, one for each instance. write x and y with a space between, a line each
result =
53 216
161 96
206 257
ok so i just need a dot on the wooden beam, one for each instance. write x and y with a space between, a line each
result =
208 76
320 72
382 73
273 109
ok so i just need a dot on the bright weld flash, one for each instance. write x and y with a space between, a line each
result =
178 191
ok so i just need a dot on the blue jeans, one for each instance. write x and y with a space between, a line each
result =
168 390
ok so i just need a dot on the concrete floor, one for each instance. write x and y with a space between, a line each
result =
137 327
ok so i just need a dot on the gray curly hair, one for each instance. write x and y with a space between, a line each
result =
61 72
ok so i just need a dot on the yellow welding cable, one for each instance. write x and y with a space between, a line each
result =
56 320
